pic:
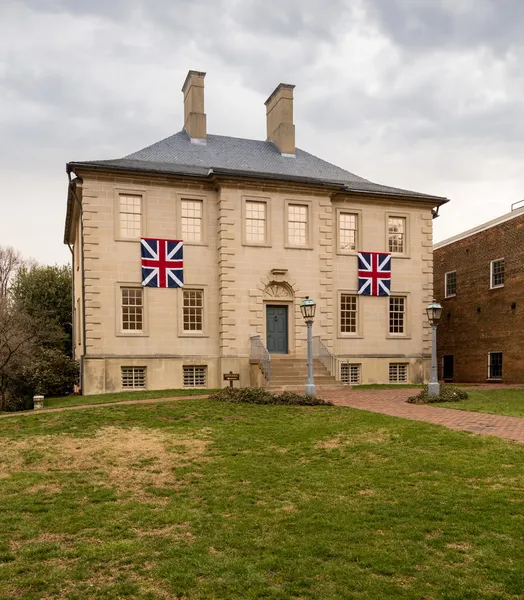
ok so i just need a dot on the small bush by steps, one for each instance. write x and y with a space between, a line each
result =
448 393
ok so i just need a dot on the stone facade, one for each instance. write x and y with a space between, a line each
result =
481 319
240 279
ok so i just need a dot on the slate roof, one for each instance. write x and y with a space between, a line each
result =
223 155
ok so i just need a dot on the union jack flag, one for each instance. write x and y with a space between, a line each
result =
374 273
162 263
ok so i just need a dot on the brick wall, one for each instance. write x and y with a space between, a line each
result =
479 320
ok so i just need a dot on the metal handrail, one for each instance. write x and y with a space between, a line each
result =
261 355
322 353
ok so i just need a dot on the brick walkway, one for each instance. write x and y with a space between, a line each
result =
393 403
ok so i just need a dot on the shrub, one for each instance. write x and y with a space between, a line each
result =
448 393
262 396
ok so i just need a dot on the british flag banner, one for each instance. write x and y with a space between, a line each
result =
162 263
374 273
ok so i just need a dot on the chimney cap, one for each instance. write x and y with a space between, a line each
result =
280 86
192 74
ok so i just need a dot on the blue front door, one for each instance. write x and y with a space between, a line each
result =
276 327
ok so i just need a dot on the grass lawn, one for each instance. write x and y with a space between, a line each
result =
119 396
203 500
499 402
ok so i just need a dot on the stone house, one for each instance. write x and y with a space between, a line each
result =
264 224
479 281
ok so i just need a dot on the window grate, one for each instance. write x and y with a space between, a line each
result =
195 376
398 372
350 373
133 378
495 365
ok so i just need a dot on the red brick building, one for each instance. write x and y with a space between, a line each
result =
479 280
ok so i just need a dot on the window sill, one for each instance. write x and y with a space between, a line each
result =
194 243
341 252
496 287
394 255
256 245
494 379
450 296
398 336
290 247
122 239
350 336
132 334
193 334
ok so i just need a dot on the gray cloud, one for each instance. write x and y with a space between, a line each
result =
417 93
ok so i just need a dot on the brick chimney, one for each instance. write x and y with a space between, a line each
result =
194 115
279 114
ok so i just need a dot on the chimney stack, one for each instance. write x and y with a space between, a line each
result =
194 115
279 114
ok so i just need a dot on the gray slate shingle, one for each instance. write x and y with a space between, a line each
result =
229 155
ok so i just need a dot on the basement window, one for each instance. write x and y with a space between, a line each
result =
398 372
350 373
195 377
134 378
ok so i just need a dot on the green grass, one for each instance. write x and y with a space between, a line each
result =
119 396
386 386
204 500
508 402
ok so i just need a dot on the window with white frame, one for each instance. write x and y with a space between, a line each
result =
133 378
347 231
191 220
255 221
397 235
451 284
397 315
350 373
130 216
193 310
78 323
495 365
297 227
348 313
195 376
497 273
132 308
398 372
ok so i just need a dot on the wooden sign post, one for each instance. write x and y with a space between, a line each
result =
231 377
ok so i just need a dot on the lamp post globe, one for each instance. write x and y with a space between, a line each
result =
308 307
434 312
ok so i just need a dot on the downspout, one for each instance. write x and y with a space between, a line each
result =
82 356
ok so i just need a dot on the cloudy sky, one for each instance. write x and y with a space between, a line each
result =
421 94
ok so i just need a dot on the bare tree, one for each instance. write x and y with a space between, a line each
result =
10 262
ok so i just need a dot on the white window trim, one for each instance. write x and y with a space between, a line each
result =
351 364
348 210
119 331
359 333
489 365
267 241
299 202
129 389
407 317
199 197
407 235
196 366
501 285
135 191
205 308
406 364
446 295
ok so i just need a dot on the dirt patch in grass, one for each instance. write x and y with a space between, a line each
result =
369 437
127 459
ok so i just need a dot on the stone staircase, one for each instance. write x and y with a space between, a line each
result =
289 373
